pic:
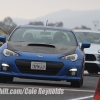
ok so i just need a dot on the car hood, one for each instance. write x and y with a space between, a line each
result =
93 49
58 49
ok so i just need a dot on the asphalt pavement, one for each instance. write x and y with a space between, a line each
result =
86 92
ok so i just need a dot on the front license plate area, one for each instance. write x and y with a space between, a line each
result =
38 65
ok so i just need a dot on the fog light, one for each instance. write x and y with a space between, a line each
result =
5 67
73 69
72 72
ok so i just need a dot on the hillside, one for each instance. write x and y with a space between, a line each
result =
70 18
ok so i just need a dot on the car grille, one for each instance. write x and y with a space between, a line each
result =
90 57
91 66
52 68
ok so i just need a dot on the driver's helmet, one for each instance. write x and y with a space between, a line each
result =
59 36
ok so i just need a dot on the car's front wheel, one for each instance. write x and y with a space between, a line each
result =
10 79
5 79
77 84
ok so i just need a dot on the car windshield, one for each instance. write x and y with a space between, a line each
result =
46 36
89 37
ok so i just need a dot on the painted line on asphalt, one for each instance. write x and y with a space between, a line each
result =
83 98
79 90
74 90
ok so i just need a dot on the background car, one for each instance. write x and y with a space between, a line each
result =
92 63
38 52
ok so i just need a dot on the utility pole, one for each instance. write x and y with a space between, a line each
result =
96 25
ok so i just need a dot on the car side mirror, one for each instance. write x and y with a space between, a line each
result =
2 39
85 45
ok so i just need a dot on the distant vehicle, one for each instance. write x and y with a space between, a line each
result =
42 52
92 63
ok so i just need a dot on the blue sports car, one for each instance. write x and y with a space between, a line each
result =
42 52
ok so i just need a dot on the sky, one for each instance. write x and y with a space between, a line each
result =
30 9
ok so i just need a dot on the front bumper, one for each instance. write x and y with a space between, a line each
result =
61 75
92 65
92 62
41 77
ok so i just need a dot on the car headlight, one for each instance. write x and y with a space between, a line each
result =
99 51
7 52
72 57
97 57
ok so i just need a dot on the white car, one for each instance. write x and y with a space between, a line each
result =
92 60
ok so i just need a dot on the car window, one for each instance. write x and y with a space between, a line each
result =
89 37
44 36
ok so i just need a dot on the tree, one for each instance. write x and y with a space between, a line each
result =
2 25
37 23
8 21
77 28
51 24
31 23
83 27
12 28
9 24
59 24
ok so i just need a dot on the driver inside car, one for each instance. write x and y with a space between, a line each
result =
60 37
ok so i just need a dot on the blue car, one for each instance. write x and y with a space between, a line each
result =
42 52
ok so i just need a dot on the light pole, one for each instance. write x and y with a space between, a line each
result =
96 25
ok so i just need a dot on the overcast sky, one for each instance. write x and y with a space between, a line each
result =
29 9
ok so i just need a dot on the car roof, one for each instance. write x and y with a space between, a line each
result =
91 31
45 27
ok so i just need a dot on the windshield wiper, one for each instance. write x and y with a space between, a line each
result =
45 45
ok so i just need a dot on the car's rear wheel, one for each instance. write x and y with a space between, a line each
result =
92 71
5 79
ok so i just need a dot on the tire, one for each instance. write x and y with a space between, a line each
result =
5 79
92 71
77 84
10 79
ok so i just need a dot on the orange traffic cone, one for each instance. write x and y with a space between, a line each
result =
97 92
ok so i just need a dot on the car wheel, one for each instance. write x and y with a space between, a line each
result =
10 79
5 79
77 84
